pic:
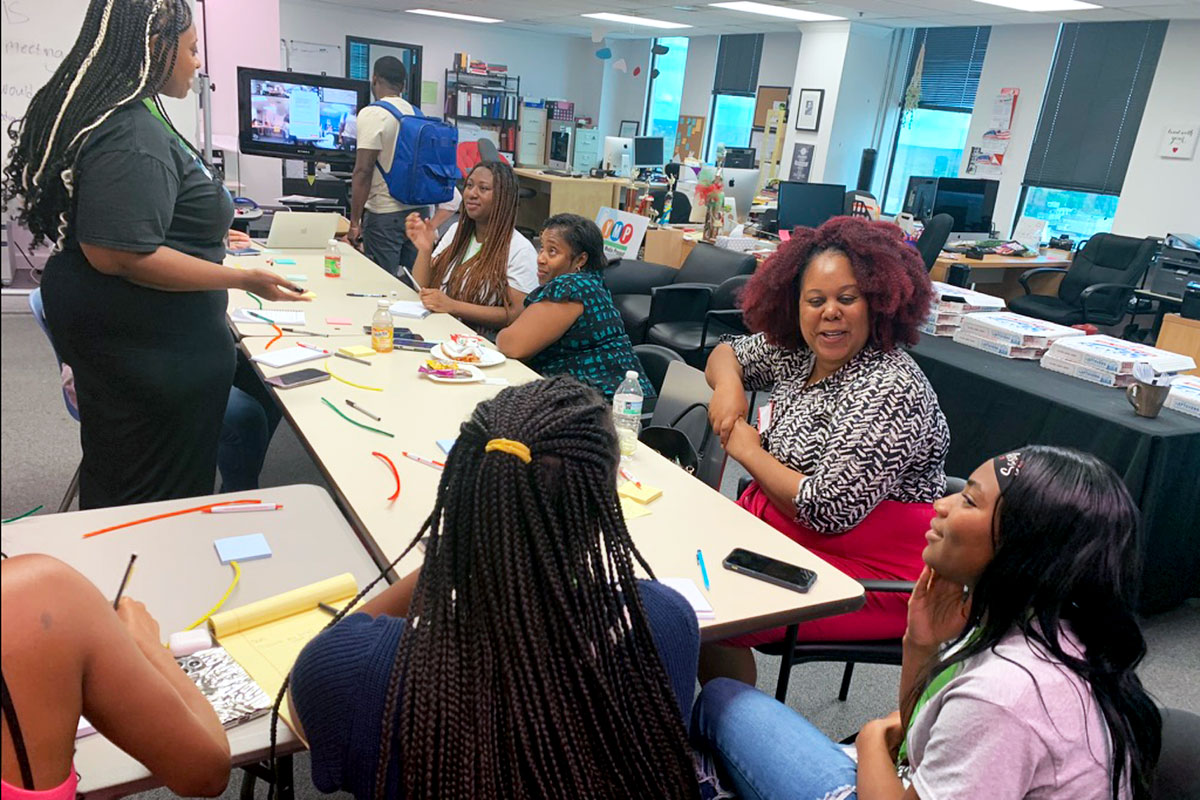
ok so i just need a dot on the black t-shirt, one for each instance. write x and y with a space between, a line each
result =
137 188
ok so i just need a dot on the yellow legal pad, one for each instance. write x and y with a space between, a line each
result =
644 494
631 510
266 637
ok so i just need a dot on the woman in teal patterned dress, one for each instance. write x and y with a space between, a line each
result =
570 325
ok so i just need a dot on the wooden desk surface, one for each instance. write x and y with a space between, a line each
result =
1051 258
537 174
1180 335
179 577
419 412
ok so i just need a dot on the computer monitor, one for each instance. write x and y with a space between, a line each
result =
558 152
971 201
648 151
739 157
301 116
615 149
741 184
807 205
918 198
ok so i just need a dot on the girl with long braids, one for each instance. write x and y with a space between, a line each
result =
135 292
482 268
532 663
1019 677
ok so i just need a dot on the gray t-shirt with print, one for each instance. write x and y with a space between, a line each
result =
1014 723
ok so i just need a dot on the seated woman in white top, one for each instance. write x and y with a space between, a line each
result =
482 269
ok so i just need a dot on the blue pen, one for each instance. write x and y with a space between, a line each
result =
703 569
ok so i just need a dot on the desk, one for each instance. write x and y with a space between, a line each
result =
994 404
1182 336
419 412
178 577
997 275
554 194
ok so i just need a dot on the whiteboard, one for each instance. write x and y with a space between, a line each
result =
37 34
313 57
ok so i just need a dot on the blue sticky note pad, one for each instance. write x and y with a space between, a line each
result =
285 261
242 548
446 445
296 278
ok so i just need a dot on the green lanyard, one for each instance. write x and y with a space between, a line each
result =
936 685
154 112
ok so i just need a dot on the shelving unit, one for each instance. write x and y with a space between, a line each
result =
491 100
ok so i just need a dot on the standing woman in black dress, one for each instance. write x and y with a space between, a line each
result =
135 292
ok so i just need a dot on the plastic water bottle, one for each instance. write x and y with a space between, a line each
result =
382 328
333 260
627 412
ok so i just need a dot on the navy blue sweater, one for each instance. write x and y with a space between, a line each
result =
340 678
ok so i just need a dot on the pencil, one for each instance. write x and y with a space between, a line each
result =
362 410
124 580
352 358
328 609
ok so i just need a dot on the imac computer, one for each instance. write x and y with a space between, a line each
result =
299 116
807 205
918 198
739 157
741 185
648 152
618 154
971 202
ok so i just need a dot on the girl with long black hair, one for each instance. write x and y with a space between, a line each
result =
135 292
1019 676
532 663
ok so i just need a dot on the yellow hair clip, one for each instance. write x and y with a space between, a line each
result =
511 447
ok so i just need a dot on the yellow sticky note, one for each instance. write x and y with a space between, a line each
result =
309 295
356 350
631 510
644 494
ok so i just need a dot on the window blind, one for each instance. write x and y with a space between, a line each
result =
1093 105
953 63
738 59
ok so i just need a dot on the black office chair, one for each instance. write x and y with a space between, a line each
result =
655 361
933 238
679 429
632 282
867 651
681 206
1178 772
674 322
1098 286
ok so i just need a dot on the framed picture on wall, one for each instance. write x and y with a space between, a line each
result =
808 109
629 128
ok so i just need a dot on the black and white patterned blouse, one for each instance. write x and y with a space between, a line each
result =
872 431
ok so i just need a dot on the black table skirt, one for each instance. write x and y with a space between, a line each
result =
994 404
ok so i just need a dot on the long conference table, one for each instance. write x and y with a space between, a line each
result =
419 412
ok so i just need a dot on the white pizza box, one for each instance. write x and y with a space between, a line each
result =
1084 372
1006 349
964 301
1185 395
1117 355
1005 326
935 328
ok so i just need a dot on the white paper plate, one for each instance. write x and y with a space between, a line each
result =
487 357
475 377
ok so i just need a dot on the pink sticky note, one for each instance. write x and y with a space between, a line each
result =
785 235
338 321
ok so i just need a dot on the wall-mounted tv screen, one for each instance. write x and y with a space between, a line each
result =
296 115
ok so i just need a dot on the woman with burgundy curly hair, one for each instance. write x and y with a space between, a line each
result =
848 457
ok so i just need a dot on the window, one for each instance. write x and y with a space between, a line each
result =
1069 213
734 87
931 137
1090 117
666 91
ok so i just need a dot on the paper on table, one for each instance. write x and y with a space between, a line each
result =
276 316
288 356
644 494
410 309
631 510
691 592
266 637
242 548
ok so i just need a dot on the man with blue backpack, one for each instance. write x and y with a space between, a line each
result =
405 162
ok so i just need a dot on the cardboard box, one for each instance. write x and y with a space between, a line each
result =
997 346
1005 326
1117 355
1185 395
1084 372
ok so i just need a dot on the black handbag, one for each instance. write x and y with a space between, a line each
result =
674 445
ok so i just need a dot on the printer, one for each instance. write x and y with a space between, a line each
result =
1177 265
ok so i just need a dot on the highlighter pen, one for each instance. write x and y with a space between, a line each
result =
238 508
353 358
302 332
703 569
362 410
124 580
427 462
312 347
365 294
256 315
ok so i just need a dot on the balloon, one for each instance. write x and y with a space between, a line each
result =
637 71
604 53
620 65
660 49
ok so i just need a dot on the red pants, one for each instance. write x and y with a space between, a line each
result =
886 545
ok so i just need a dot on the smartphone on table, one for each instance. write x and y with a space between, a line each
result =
771 570
301 377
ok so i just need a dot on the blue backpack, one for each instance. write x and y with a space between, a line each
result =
425 164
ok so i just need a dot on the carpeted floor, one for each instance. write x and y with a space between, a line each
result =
41 450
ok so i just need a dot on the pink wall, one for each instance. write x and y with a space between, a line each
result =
240 34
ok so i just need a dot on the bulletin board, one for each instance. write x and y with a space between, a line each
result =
689 137
768 96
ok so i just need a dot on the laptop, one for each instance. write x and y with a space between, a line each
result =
302 230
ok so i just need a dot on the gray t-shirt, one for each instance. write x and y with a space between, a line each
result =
1014 723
